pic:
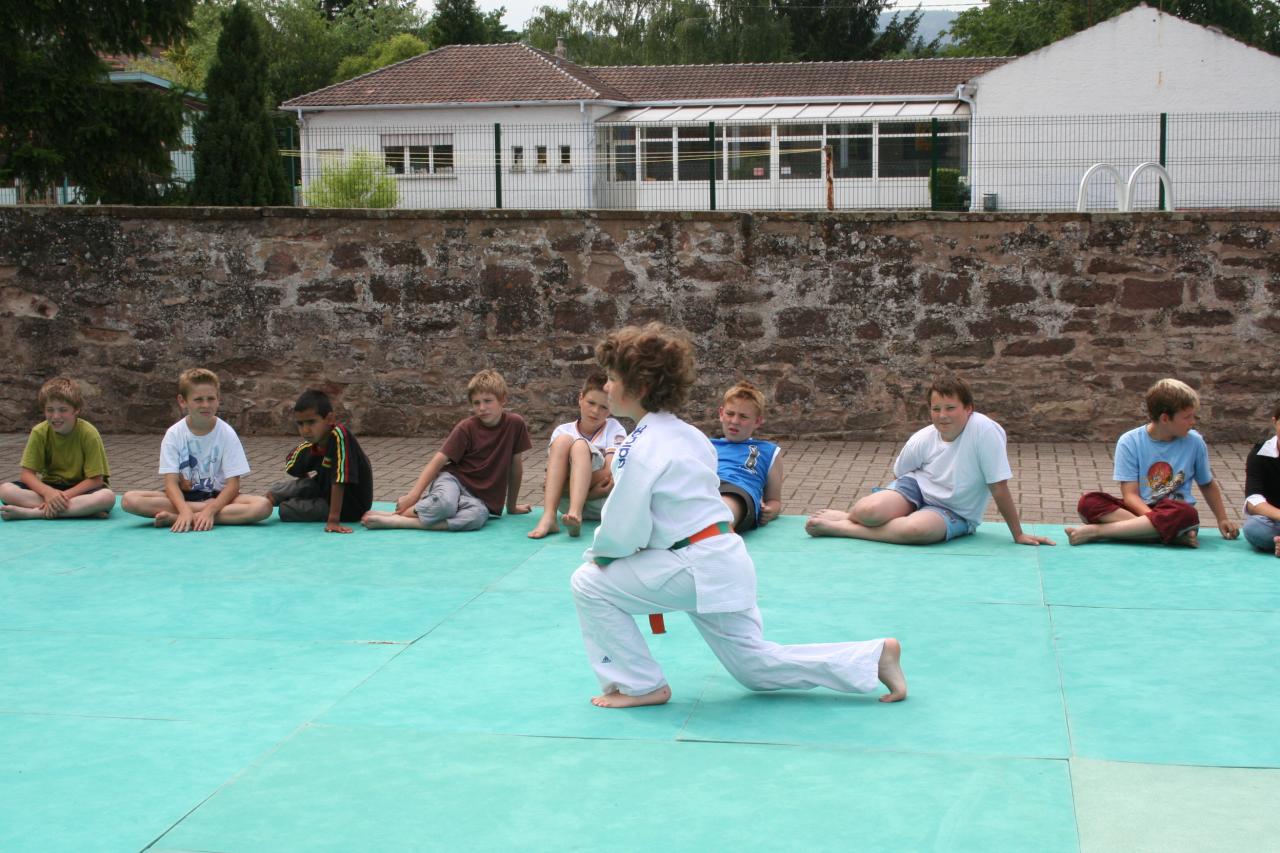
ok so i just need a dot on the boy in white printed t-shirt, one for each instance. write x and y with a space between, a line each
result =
578 457
202 461
944 476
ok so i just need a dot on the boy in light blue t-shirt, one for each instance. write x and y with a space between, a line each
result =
1155 465
750 468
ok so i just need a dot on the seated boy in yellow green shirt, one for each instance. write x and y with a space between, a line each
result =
64 466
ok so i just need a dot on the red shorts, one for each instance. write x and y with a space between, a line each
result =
1170 518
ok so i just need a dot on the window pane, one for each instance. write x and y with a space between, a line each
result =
748 161
695 159
850 158
542 156
565 159
909 157
692 131
861 128
624 162
517 156
419 159
395 159
656 133
621 133
740 131
799 159
442 158
656 158
799 130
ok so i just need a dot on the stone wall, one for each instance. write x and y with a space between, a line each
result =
1059 320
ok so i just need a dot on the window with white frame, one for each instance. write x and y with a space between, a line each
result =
800 153
541 153
566 158
850 144
418 153
747 149
695 153
656 162
517 158
622 154
906 148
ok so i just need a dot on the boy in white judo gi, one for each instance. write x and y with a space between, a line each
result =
665 544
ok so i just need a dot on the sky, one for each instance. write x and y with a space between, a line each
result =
519 11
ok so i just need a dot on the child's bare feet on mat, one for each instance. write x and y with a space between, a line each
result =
546 527
572 524
828 522
1190 539
1081 535
622 700
890 673
165 519
12 512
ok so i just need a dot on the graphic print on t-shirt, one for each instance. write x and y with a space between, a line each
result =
1163 482
199 474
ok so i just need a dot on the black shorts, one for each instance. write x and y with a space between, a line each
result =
749 520
62 487
199 495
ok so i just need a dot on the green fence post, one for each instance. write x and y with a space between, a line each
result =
1164 145
933 164
715 160
497 165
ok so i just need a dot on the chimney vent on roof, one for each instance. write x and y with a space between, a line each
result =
561 53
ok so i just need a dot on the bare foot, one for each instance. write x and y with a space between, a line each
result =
1190 539
12 512
374 520
1277 541
621 700
546 527
572 524
827 522
890 672
165 519
1081 535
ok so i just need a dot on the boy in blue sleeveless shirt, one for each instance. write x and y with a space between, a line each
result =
750 468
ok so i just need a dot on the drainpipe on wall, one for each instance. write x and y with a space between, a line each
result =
965 92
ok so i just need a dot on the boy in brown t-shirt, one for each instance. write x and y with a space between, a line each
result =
475 473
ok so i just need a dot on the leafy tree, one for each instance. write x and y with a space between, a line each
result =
237 162
1015 27
361 181
61 119
395 49
824 30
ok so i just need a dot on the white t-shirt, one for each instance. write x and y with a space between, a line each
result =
206 460
665 488
608 438
956 474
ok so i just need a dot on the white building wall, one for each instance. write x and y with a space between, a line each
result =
1129 69
471 182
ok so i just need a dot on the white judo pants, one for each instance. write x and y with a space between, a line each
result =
609 598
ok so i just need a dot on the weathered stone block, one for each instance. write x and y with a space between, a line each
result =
803 322
1052 346
1203 317
1140 293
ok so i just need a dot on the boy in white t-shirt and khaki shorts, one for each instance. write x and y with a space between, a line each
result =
578 455
943 478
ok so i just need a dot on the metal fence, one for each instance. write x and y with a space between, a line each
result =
1223 160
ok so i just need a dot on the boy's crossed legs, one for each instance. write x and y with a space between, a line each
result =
1106 517
445 505
243 509
23 503
888 515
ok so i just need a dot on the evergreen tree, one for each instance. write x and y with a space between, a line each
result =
237 162
61 119
457 22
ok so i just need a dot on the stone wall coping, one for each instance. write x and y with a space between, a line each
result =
223 214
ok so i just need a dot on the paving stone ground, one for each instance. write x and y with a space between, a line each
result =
1048 477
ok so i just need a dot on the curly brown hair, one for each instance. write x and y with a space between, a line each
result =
654 361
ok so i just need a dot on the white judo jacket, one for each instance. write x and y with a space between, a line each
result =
665 489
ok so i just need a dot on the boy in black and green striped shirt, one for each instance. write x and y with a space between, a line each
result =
333 478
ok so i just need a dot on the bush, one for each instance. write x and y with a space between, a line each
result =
361 181
948 191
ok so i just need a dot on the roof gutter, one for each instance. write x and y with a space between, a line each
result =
966 92
684 102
